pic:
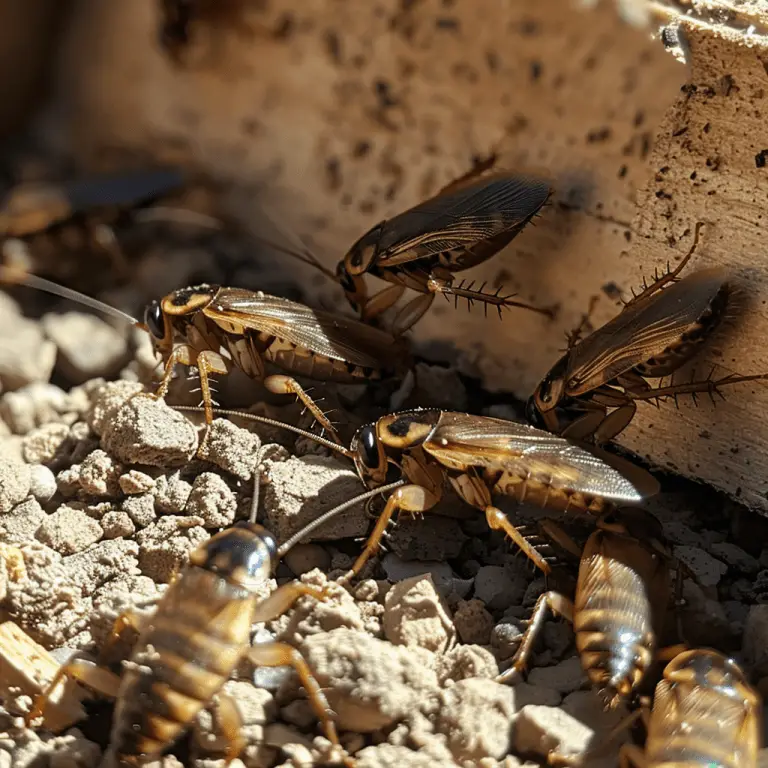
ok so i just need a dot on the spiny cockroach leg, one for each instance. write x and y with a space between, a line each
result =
287 385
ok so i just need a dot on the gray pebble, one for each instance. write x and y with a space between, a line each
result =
564 677
304 557
212 500
41 445
171 493
69 530
147 431
232 448
42 482
399 570
735 557
506 637
499 587
15 482
141 509
20 524
135 482
117 524
432 538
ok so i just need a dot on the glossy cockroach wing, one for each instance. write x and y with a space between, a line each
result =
478 457
217 329
657 332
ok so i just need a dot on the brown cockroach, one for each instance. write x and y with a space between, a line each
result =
31 209
656 333
621 599
464 225
705 713
479 456
192 643
217 329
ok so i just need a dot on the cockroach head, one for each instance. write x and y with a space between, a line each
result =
368 454
551 388
244 555
363 253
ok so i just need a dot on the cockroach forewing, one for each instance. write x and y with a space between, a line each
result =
460 440
334 336
642 331
480 210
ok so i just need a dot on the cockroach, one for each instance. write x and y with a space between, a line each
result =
192 643
479 456
705 713
656 333
464 225
216 329
94 203
622 592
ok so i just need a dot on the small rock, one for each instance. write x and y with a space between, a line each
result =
164 546
69 530
42 482
706 570
438 387
704 618
755 645
14 483
677 532
399 570
370 683
540 730
171 493
212 500
525 693
304 557
564 677
431 538
735 557
133 483
41 445
416 616
21 523
88 346
99 475
35 405
588 709
117 524
107 399
466 661
506 637
398 756
231 448
301 489
473 623
476 717
498 587
147 431
26 356
140 509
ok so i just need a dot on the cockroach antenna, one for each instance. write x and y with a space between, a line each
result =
272 423
12 276
331 513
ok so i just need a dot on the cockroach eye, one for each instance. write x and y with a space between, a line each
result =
154 320
367 447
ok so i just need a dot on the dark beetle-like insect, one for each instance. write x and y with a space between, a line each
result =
480 456
190 646
620 603
655 334
421 249
704 714
31 211
217 329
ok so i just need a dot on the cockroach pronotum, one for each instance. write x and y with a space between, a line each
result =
704 714
479 456
95 204
464 225
656 333
217 329
621 598
192 643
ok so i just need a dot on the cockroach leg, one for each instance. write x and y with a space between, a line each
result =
584 326
410 498
282 654
411 313
671 276
128 622
287 385
710 386
498 521
380 302
230 724
84 671
283 598
553 601
632 756
614 423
